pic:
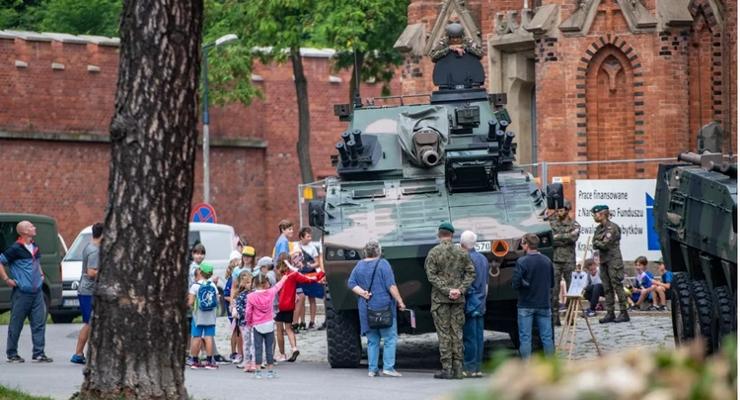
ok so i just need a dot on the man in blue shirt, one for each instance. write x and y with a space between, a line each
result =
534 279
23 258
662 285
475 309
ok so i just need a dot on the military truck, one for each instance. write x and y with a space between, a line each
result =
696 219
402 170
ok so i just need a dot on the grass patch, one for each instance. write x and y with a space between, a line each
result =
10 394
5 320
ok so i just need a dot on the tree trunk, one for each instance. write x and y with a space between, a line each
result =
304 117
138 344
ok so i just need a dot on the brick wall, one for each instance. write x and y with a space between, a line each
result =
251 188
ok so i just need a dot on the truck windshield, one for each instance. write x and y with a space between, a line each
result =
75 251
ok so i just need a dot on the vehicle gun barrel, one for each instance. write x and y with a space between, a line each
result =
711 162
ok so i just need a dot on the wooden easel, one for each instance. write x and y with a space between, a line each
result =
570 325
572 311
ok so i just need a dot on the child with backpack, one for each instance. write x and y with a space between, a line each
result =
203 298
243 287
258 315
229 296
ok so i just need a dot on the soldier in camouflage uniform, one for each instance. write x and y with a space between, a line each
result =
456 41
565 232
451 273
606 241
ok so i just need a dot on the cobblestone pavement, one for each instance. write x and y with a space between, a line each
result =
649 330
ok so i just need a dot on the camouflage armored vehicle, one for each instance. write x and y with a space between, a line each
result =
696 219
404 169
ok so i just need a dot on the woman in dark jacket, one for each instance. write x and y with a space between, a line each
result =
378 292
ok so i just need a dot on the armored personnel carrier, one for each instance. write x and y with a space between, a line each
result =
696 220
404 169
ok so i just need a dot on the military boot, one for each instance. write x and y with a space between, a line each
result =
457 371
443 374
609 317
623 317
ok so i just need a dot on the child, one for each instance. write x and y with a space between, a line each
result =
258 315
203 298
286 304
244 285
229 288
197 254
283 245
644 288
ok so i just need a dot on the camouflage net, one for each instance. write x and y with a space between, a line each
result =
633 374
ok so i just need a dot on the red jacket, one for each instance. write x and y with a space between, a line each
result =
286 301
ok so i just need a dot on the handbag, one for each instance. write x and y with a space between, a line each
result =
378 319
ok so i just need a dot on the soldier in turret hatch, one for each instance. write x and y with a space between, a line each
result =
565 232
606 241
457 42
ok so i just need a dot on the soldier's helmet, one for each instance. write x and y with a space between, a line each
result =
455 30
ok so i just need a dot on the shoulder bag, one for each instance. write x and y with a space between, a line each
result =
378 319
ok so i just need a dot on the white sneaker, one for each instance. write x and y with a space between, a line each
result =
372 374
281 358
392 373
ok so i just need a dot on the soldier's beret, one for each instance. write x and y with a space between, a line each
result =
599 208
446 226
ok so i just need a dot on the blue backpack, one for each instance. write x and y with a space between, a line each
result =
207 297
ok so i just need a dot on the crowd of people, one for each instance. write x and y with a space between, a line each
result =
265 297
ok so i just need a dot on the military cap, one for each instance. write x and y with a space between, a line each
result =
599 208
446 226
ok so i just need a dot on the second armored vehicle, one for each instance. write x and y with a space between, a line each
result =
696 219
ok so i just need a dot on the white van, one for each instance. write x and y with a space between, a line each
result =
218 239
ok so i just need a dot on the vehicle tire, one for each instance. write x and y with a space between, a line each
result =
62 318
702 311
683 323
344 347
726 316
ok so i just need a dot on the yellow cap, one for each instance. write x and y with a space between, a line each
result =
249 251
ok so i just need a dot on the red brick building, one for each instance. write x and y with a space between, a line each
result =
56 101
586 80
595 79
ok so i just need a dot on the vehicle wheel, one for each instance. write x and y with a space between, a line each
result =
62 318
683 325
342 337
726 316
702 312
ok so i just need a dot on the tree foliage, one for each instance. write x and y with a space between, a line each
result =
363 33
77 17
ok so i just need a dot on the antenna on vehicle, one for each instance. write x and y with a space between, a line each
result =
357 100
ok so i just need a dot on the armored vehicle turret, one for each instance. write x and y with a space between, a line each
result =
404 169
696 220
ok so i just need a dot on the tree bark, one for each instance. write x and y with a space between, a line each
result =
303 146
138 344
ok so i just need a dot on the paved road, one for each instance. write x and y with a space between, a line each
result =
311 374
61 379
